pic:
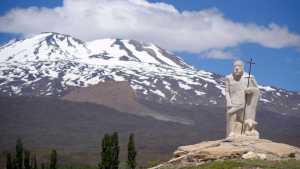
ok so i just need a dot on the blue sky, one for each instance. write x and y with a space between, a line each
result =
277 57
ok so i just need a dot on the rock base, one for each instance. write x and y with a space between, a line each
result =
237 148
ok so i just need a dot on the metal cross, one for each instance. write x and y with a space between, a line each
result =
250 68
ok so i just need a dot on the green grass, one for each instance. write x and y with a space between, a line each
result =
77 167
249 164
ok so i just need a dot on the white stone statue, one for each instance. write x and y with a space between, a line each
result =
240 100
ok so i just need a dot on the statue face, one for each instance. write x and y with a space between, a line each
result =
238 68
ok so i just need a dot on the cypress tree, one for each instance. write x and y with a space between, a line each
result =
19 154
43 166
27 160
106 153
53 160
131 156
9 162
34 162
115 151
14 164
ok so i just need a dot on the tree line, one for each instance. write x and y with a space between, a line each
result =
24 160
110 149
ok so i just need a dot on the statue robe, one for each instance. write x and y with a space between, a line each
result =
235 96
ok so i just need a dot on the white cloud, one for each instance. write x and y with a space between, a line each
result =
218 54
160 23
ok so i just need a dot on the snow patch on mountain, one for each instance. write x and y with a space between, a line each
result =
184 86
199 93
266 88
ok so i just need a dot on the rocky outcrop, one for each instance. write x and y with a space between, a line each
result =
238 148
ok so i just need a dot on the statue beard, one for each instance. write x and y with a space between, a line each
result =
238 75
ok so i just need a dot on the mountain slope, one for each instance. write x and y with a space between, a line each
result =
51 64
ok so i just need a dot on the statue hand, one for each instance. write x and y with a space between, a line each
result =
248 90
229 105
234 109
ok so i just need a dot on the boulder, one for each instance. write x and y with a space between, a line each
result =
237 148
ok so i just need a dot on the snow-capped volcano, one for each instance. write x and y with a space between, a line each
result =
54 46
49 64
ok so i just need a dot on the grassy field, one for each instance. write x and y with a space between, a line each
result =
228 164
250 164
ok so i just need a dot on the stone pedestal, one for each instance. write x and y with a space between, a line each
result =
238 148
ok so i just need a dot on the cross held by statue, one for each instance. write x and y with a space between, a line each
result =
248 83
250 69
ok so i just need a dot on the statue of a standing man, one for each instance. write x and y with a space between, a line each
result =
237 95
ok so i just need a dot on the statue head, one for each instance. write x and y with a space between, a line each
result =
238 68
